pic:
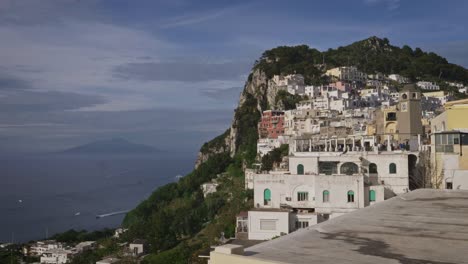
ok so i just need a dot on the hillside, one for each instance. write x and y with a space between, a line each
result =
112 146
370 56
179 222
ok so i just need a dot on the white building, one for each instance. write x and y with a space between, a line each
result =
428 85
56 256
457 85
350 74
138 247
398 78
442 96
312 91
84 246
324 181
39 247
293 83
265 145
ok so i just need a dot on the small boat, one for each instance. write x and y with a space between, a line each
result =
77 214
20 201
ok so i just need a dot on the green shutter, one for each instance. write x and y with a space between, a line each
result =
300 169
267 195
372 195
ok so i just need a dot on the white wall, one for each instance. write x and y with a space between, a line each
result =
397 183
338 187
282 187
452 173
282 220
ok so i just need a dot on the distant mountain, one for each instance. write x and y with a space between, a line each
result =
112 146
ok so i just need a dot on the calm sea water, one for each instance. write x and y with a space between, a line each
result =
54 193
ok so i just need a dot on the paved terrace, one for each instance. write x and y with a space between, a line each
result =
423 226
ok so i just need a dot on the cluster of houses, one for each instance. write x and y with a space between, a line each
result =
54 252
352 143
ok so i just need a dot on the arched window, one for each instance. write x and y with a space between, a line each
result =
372 168
300 169
371 196
392 168
350 197
267 197
326 196
349 168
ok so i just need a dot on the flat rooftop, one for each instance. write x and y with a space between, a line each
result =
423 226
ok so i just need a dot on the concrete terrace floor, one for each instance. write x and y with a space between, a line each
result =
423 226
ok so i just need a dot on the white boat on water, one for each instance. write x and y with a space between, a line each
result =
77 214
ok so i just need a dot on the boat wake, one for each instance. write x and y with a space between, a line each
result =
112 214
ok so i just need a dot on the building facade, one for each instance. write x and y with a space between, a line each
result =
271 124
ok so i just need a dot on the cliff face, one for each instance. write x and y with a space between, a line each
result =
256 89
209 149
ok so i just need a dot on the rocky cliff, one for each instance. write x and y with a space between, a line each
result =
256 91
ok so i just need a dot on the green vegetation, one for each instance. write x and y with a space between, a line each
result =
216 143
370 55
107 247
177 221
377 55
274 157
288 60
288 100
72 236
10 254
247 117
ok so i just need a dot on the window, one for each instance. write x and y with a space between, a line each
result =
448 186
404 96
328 167
302 224
326 196
267 224
349 168
445 142
392 168
300 169
371 196
350 197
372 168
302 196
267 197
391 116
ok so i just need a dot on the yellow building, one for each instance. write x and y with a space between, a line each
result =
455 117
449 147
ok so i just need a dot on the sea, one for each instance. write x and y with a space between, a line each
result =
41 195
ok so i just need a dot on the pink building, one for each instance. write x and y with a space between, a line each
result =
342 86
272 124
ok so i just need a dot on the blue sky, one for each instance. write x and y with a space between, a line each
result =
169 73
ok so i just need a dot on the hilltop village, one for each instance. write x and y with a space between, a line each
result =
354 142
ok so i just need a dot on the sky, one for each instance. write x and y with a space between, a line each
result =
169 73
